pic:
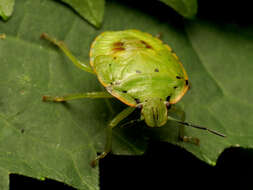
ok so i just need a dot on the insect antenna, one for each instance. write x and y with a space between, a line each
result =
203 128
196 126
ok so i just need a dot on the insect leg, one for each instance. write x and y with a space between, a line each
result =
65 50
113 123
179 112
77 96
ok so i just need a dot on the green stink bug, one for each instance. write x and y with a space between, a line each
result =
139 70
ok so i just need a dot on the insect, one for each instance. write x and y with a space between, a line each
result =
137 69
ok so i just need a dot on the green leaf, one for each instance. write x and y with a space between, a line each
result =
187 8
4 179
6 8
91 10
58 141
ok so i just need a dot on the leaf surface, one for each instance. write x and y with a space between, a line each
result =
58 141
187 8
91 10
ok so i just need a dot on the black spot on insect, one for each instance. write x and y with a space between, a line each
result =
146 44
114 58
175 87
138 71
168 98
22 130
186 82
156 70
137 100
124 91
178 77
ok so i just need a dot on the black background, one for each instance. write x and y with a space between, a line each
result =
165 166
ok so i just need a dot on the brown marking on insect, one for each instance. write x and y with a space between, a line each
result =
138 71
156 70
146 44
118 46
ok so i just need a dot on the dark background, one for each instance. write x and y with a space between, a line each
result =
165 166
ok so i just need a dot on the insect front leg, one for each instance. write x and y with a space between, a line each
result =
113 123
181 114
66 51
